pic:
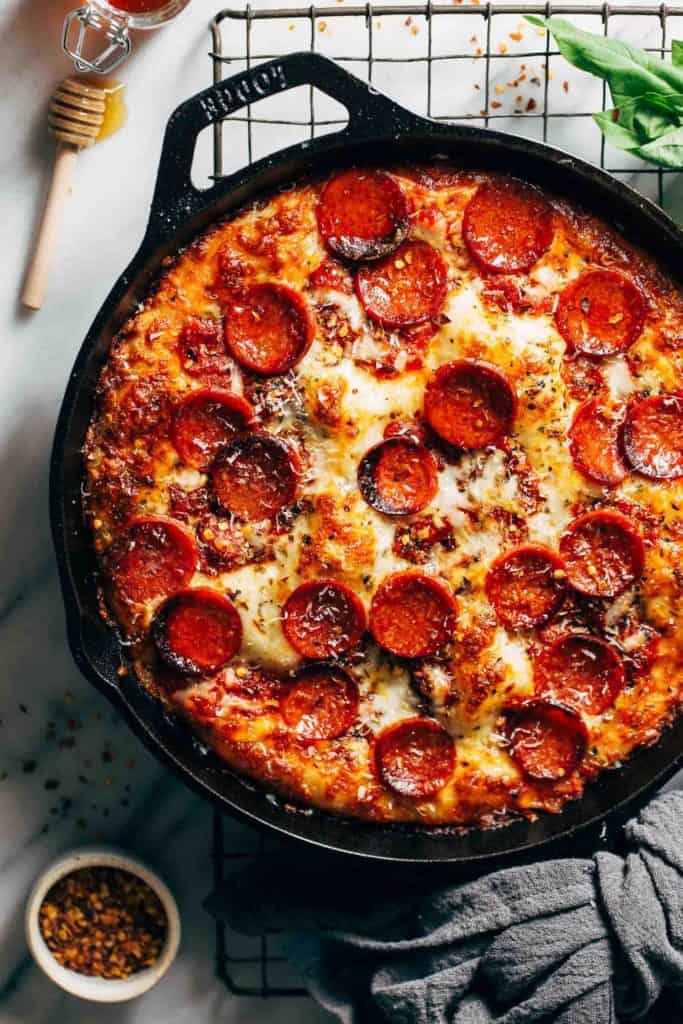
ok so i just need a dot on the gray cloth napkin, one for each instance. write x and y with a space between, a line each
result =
564 941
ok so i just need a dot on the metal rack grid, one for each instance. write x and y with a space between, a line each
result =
254 973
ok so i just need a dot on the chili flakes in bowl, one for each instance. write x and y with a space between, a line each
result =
104 922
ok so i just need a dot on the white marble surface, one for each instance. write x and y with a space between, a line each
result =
54 729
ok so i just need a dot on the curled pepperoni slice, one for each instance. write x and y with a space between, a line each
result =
526 586
408 287
601 313
197 631
580 671
470 404
603 553
323 619
321 703
255 477
363 214
268 328
398 477
205 421
154 558
653 437
547 740
507 226
412 615
415 757
594 443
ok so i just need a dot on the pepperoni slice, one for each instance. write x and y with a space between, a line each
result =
205 421
603 553
653 437
580 671
415 757
197 632
470 404
412 615
547 740
507 226
526 586
255 477
363 214
398 477
268 328
154 558
594 443
408 287
601 313
321 703
323 619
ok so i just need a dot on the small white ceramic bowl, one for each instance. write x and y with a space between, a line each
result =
100 990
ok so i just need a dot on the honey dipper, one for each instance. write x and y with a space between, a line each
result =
77 115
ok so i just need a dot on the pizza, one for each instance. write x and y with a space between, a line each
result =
384 480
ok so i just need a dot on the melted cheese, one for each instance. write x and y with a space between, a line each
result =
334 408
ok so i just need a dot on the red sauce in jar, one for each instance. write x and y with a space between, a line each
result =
138 6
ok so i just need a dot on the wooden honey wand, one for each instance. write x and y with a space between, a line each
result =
75 118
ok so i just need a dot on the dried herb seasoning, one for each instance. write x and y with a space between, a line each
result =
103 922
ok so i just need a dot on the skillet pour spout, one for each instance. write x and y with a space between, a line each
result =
378 130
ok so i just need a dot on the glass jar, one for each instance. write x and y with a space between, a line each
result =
96 36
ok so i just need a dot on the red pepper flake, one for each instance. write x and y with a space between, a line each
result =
103 922
565 86
530 104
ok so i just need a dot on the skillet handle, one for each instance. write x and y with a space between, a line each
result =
176 198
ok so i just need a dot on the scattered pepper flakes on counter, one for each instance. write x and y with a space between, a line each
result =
103 922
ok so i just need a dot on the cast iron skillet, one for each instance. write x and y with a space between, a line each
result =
378 130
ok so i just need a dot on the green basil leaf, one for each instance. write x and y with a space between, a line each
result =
667 150
647 92
615 133
628 70
649 115
649 123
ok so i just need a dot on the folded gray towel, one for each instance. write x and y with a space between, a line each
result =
563 941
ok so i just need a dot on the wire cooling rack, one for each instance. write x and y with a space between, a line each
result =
462 61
